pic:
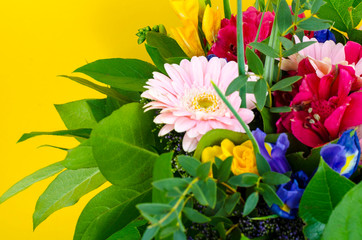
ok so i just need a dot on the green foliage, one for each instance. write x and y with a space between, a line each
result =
270 195
161 170
345 221
251 203
274 178
121 144
195 216
190 164
265 49
323 193
82 133
262 164
297 47
284 16
125 74
287 44
236 84
80 157
26 182
108 212
260 92
285 83
254 62
314 24
244 180
66 189
284 109
203 170
223 172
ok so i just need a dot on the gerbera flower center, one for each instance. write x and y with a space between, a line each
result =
202 100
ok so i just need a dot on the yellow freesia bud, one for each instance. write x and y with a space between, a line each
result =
211 23
188 39
244 160
187 10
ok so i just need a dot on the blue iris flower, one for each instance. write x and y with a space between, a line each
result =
291 193
324 35
344 156
274 153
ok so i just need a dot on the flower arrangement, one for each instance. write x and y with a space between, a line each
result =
246 126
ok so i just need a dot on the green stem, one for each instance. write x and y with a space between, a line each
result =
227 9
261 22
237 116
240 51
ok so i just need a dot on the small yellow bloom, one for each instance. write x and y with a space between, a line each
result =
244 160
211 23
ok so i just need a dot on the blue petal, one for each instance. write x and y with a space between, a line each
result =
279 162
334 155
324 35
288 215
259 136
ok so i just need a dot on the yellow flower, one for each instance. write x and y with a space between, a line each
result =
211 23
244 160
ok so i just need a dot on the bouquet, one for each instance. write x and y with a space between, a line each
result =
245 126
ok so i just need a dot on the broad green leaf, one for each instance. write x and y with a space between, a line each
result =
26 182
270 195
156 57
80 157
167 46
323 193
161 170
254 62
285 83
265 49
203 170
260 92
83 113
314 24
262 164
108 212
127 233
284 16
190 164
337 11
284 109
82 133
215 137
120 146
297 47
355 35
195 216
209 189
317 4
236 84
224 170
179 235
274 178
251 203
314 229
345 221
244 180
105 90
66 190
126 74
286 43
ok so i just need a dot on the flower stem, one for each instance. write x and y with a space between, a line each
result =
240 51
227 9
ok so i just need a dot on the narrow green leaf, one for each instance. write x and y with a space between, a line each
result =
297 47
224 171
150 233
83 133
154 208
190 164
169 183
284 16
260 92
231 202
265 49
274 178
26 182
199 195
254 62
244 180
236 84
80 157
166 45
179 235
285 83
161 170
67 188
168 231
284 109
195 216
286 43
251 203
314 24
203 170
270 195
268 120
262 164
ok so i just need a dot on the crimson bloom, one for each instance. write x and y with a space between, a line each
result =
225 46
326 106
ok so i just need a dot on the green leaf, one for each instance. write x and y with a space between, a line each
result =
236 84
314 229
244 180
317 4
127 233
66 190
231 202
199 195
154 208
108 212
215 137
120 146
26 182
274 178
209 189
285 83
355 35
286 43
323 193
105 90
167 232
265 49
83 133
268 120
203 170
190 164
161 170
224 170
270 195
83 113
260 92
126 74
251 203
150 233
167 46
356 14
254 62
156 57
297 47
345 221
280 109
337 11
262 164
170 183
195 216
314 24
179 235
284 16
80 157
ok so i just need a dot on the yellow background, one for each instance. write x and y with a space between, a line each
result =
39 40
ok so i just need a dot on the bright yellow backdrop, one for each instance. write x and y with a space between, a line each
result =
40 40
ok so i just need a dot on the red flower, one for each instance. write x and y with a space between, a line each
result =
226 44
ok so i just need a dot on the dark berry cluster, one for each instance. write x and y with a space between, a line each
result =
201 232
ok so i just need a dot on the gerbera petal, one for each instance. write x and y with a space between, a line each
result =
165 129
184 124
189 144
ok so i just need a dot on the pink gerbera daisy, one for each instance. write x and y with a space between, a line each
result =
188 101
